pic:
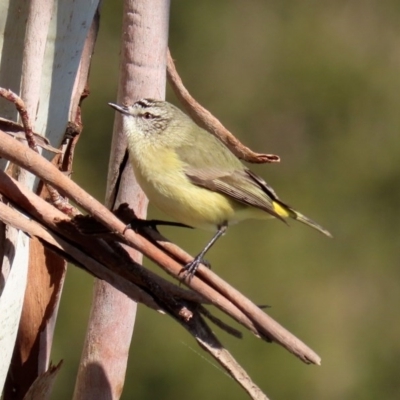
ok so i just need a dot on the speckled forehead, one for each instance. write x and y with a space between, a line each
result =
142 106
145 103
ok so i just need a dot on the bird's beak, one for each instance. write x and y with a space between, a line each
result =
122 109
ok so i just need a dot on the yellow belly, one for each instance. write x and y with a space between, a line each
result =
168 188
189 204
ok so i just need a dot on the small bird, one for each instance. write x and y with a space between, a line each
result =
192 176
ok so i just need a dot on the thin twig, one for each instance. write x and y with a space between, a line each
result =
16 130
221 324
209 342
55 197
206 120
20 106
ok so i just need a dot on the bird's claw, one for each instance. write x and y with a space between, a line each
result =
190 269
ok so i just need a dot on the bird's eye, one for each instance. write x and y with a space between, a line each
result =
147 115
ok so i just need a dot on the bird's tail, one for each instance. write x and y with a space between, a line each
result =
285 211
309 222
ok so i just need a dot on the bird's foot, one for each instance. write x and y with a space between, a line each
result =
190 269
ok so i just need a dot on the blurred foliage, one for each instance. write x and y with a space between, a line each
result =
317 83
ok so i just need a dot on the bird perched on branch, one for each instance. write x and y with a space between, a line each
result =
192 176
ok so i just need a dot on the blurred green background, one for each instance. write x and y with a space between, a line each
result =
319 84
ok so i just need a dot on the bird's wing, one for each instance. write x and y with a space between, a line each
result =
241 185
221 171
263 185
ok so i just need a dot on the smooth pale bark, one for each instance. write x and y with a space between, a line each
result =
41 45
142 74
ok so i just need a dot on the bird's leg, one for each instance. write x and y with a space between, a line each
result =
137 224
191 268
